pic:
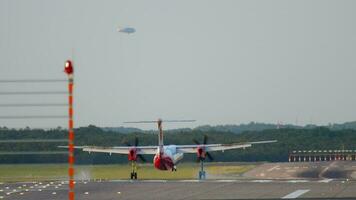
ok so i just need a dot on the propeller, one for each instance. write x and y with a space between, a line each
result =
136 142
201 149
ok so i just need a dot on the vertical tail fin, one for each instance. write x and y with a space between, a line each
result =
160 136
160 133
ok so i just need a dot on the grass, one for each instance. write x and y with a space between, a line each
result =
32 172
41 172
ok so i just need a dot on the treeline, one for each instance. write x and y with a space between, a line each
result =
233 128
288 140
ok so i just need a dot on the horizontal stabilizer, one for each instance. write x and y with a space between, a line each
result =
155 121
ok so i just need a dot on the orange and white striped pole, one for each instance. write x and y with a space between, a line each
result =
68 69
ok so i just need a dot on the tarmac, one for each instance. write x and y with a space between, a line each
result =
278 181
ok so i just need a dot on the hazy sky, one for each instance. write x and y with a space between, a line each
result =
219 62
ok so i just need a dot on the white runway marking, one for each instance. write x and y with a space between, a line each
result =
297 181
295 194
273 168
262 181
325 181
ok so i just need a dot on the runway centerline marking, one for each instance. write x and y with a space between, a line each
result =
295 194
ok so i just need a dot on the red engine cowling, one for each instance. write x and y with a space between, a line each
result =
201 153
132 154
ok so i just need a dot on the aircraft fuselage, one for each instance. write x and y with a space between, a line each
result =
167 159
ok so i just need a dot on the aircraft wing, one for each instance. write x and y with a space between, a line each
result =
117 150
218 147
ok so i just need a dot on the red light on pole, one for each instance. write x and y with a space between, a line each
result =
68 68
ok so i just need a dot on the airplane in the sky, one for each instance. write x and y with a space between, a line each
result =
166 157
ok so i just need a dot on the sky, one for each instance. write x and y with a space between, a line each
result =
218 62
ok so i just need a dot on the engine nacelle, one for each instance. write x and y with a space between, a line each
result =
132 156
201 153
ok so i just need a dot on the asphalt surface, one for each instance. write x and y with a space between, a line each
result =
305 170
185 189
332 180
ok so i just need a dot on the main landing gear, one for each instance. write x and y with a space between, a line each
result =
202 174
174 168
133 170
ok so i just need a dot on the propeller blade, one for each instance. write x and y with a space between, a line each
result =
205 139
142 158
209 156
136 141
196 141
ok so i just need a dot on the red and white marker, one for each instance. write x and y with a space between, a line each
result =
68 69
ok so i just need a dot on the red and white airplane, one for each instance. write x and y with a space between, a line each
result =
166 156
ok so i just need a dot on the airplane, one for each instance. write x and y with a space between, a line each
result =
166 157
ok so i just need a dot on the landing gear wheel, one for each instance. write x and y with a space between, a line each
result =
135 175
202 175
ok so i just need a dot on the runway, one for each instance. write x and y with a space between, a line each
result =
183 189
332 180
